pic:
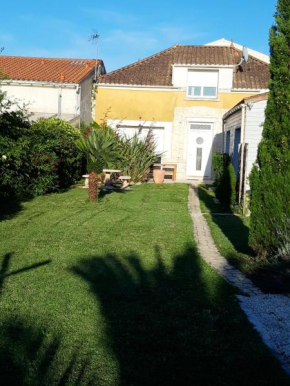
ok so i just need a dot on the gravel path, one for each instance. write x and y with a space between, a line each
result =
270 314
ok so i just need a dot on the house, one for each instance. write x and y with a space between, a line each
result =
51 87
183 93
242 133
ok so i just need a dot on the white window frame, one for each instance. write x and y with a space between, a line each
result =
202 87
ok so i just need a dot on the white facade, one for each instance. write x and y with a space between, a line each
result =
69 101
254 117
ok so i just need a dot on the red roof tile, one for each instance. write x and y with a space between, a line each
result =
156 70
46 69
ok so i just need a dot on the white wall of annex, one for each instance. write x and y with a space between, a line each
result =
43 99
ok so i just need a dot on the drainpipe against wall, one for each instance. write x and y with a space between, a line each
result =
242 152
59 102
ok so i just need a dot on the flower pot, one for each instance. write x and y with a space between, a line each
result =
158 176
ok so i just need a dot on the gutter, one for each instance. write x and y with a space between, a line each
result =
37 83
241 176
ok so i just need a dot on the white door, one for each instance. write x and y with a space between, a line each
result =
199 150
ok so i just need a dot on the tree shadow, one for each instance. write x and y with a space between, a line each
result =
236 231
29 355
5 267
9 209
107 192
171 325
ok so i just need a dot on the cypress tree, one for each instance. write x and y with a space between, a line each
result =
270 177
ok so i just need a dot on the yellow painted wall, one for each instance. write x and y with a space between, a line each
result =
152 105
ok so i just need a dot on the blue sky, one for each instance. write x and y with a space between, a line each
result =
129 30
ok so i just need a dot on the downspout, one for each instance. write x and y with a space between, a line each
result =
59 102
242 152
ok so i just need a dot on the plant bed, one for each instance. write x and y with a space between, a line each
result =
231 236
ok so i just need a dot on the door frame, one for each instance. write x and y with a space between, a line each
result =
190 121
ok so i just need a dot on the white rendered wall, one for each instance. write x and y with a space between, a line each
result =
255 117
233 122
183 116
43 99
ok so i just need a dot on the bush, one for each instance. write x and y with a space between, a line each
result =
220 163
38 158
225 179
59 137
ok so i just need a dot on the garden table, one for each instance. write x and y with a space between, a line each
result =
108 173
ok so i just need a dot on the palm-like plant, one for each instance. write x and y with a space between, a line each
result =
138 155
103 147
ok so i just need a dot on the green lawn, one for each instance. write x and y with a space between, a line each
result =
114 293
231 236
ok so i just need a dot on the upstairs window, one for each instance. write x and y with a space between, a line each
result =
202 84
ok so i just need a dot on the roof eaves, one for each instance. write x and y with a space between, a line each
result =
234 109
136 85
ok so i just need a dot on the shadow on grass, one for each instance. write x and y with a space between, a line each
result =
5 267
165 325
107 192
9 209
29 356
174 325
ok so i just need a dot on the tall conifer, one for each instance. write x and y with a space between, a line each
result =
270 178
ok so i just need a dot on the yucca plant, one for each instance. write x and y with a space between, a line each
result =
103 146
138 155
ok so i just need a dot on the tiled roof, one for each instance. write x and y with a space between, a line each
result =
156 70
46 69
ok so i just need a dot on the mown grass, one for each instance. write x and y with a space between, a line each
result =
231 236
114 293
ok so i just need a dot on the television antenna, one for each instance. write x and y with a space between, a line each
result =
94 38
1 49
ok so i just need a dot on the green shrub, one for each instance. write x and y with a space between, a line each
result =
225 180
219 165
226 189
60 137
38 158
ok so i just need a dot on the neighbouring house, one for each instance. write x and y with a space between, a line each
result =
183 93
52 87
242 133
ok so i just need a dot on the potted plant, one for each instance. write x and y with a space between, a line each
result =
158 175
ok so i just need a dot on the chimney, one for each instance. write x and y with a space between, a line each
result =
42 62
62 77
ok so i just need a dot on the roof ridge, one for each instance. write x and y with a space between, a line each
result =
250 56
143 60
44 57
